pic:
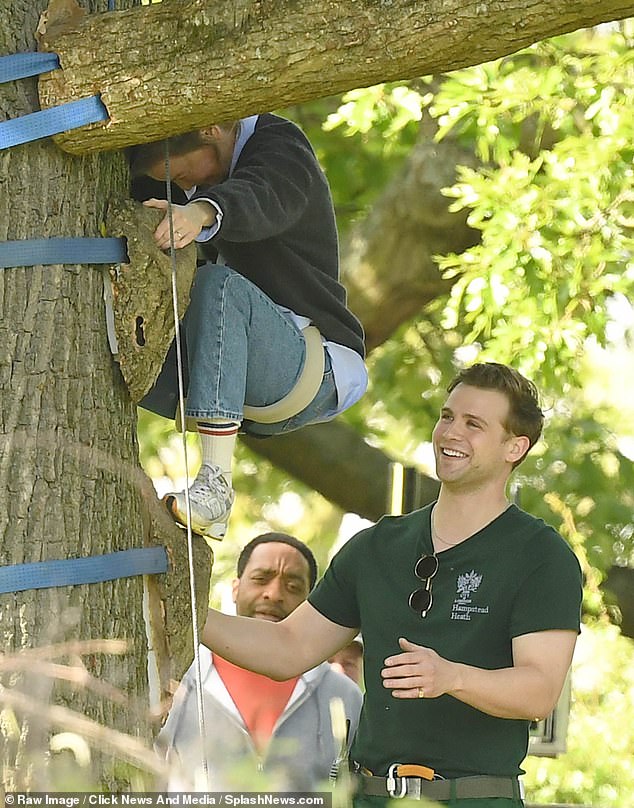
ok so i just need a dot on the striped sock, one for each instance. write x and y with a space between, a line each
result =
218 441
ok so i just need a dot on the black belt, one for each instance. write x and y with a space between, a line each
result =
483 786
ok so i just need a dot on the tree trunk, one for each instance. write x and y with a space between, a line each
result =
176 66
70 483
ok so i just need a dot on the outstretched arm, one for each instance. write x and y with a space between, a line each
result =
528 690
278 650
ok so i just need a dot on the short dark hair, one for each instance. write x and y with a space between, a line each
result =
525 416
145 155
283 538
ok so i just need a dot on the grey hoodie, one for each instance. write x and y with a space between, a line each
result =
299 755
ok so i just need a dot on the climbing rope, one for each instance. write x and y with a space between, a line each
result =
181 402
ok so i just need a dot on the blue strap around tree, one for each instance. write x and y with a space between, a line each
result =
36 125
45 122
44 251
76 571
52 121
22 65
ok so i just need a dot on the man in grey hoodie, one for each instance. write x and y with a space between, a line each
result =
279 732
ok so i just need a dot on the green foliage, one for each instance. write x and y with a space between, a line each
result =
584 485
554 203
553 200
361 139
598 767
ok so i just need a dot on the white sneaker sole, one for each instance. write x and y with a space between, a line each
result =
216 530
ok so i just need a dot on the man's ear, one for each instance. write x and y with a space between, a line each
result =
234 588
517 448
210 133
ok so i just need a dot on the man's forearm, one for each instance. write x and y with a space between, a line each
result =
257 645
519 692
528 690
278 650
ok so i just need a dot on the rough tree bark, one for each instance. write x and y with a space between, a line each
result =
70 482
179 65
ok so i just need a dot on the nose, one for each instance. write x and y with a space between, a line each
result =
453 429
273 590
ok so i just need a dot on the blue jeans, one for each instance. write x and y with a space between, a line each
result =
238 347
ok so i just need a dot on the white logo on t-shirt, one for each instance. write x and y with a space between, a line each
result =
466 585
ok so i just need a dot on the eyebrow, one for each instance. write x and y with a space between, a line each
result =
271 571
473 416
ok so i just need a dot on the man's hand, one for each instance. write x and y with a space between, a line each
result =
419 672
188 221
528 689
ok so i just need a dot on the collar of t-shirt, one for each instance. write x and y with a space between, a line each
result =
260 700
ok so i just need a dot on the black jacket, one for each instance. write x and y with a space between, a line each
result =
278 227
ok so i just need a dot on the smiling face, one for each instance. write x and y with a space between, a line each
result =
472 445
275 580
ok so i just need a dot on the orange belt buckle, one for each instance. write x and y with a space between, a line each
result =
402 771
414 770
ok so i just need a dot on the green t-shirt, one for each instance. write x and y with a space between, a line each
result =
514 577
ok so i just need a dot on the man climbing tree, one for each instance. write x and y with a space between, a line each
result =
260 206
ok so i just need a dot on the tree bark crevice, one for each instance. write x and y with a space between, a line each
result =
142 294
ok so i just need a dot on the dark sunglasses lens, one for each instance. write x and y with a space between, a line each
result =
426 567
420 600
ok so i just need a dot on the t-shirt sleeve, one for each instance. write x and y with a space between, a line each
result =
551 594
335 595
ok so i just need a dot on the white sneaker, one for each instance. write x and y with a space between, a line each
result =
210 499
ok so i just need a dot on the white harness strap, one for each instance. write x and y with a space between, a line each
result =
305 389
297 399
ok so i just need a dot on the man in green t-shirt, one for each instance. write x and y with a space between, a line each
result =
469 610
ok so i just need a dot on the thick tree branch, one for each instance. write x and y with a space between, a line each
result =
325 455
171 67
388 260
